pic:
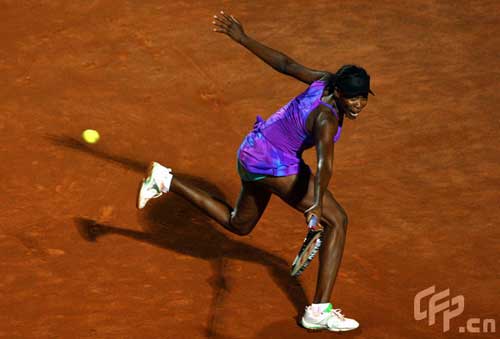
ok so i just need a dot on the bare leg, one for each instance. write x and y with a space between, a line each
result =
330 253
250 205
298 192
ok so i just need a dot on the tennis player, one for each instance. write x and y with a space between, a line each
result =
269 160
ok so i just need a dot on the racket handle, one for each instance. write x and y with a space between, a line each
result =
313 222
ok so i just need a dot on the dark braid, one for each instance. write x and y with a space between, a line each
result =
342 72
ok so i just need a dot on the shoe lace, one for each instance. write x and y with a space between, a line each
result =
338 313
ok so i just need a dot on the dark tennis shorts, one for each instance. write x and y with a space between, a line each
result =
247 176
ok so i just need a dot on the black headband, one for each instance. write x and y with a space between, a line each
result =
353 85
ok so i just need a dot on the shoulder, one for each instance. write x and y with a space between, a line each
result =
325 115
323 121
326 77
321 83
322 79
318 86
320 114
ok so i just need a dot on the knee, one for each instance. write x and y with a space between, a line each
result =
338 222
341 218
344 220
243 230
240 227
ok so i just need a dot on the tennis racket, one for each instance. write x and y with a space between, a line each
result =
309 248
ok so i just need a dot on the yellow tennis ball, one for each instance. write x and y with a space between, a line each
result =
91 136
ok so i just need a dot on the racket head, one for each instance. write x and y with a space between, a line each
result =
310 247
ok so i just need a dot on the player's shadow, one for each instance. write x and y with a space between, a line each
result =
172 223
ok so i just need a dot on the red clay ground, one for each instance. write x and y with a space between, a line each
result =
418 172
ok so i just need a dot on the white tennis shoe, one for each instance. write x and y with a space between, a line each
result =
330 319
155 184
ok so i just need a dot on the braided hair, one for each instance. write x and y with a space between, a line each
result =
345 74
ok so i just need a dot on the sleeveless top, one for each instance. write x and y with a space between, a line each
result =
274 147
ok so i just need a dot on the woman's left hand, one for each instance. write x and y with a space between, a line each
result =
229 25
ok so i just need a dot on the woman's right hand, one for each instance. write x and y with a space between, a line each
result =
315 210
229 25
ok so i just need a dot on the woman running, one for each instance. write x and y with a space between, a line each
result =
269 160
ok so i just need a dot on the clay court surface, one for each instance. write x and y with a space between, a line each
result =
418 172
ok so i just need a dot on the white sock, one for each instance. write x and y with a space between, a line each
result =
318 308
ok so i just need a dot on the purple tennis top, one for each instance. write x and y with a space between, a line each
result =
275 146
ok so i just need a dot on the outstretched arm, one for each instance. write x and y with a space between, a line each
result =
230 26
